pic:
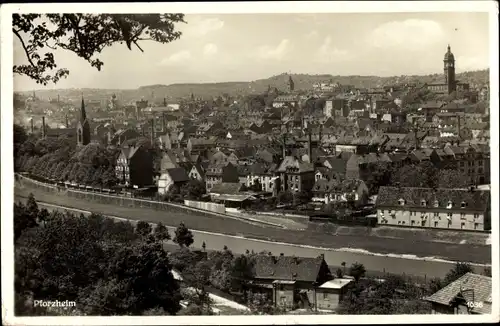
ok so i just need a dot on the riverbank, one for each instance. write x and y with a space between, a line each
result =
208 223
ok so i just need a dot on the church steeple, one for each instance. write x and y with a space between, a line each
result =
83 127
83 114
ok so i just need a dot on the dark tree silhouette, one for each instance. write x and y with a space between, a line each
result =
183 236
86 35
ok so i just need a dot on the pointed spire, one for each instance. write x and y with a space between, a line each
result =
82 111
449 48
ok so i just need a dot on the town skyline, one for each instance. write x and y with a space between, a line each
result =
378 45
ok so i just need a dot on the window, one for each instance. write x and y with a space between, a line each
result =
476 216
450 204
401 202
412 222
462 216
423 203
476 226
436 214
436 203
325 296
435 224
462 226
422 223
463 204
404 222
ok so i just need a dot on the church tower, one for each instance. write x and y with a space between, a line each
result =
83 127
449 70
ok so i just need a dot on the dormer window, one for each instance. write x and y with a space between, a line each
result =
436 203
401 202
450 204
463 204
423 203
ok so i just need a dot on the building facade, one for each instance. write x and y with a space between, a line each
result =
457 209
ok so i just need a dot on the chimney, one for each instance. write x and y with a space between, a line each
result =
43 127
309 145
32 126
284 146
152 131
165 102
163 128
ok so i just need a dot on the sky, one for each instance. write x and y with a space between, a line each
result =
245 47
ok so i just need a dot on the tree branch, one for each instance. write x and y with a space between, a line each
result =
24 47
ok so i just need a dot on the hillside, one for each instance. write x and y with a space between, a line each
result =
302 81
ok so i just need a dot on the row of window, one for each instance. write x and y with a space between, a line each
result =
435 214
423 203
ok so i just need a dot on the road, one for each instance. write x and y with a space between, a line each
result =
313 236
239 245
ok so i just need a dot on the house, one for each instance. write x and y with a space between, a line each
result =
199 145
219 173
197 172
295 174
458 209
295 281
134 166
171 177
264 175
455 298
358 166
169 140
331 191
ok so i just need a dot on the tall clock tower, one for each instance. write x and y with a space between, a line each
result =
449 70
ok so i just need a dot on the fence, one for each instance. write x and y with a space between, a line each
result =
213 207
97 197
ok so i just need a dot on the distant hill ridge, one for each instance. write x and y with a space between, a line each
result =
302 81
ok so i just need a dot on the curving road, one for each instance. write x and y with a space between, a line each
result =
239 244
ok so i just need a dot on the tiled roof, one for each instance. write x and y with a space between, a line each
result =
337 164
331 186
178 174
287 268
227 188
293 162
476 200
481 286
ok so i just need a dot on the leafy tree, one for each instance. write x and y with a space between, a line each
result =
343 265
86 35
452 179
143 228
285 197
43 215
138 279
357 271
193 190
457 271
256 186
339 273
161 232
183 258
435 285
23 220
197 276
183 236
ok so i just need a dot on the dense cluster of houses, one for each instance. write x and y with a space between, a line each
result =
329 153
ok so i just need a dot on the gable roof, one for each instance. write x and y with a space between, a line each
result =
287 268
481 286
477 200
178 174
226 188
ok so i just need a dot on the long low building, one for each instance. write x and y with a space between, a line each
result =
462 209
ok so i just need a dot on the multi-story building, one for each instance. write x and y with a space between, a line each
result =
458 209
219 173
134 166
295 174
262 174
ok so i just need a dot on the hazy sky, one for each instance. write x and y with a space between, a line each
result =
244 47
